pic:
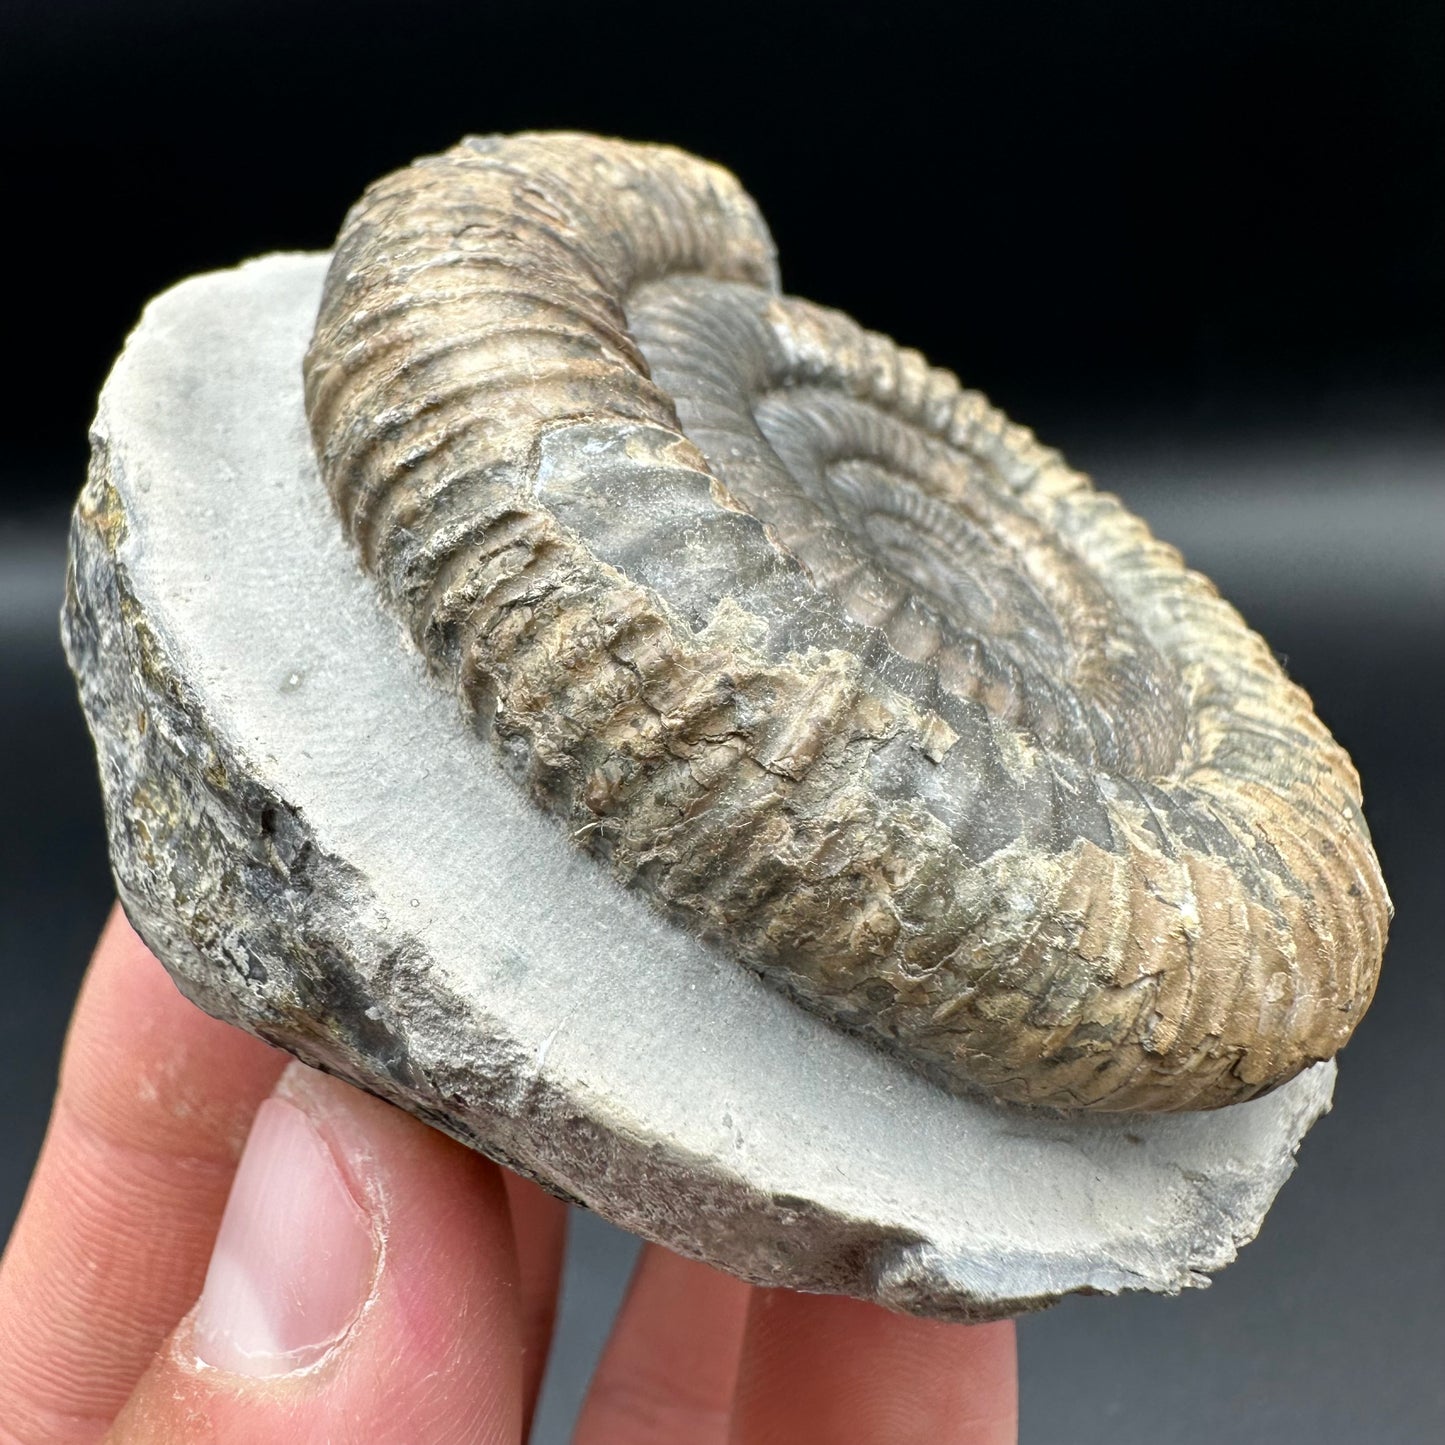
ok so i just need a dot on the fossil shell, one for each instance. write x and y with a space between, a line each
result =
821 652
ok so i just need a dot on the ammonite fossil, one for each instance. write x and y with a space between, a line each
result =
822 653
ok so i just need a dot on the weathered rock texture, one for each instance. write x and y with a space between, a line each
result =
321 849
824 655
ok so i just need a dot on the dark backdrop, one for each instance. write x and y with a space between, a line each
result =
1078 205
1198 245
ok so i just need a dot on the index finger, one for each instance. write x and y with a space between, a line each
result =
818 1367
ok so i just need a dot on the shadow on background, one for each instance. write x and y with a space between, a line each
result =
1198 249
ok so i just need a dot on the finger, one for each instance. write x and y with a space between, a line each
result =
669 1369
539 1227
363 1287
111 1245
819 1367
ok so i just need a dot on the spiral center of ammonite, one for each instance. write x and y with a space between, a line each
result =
937 574
906 532
901 530
949 560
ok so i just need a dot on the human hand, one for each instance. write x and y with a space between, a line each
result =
374 1282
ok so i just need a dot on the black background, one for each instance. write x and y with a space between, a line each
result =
1078 206
1197 245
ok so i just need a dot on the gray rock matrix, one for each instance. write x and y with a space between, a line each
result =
309 835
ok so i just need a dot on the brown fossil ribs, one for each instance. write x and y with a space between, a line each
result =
823 654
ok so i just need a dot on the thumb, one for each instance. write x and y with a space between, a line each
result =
362 1286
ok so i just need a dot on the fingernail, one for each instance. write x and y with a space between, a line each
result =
294 1260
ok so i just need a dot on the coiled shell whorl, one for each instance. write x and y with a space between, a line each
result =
824 655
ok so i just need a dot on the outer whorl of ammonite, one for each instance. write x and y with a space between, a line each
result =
823 654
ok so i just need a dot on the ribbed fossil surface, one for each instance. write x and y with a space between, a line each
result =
822 653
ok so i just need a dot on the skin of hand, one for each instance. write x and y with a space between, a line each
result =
221 1246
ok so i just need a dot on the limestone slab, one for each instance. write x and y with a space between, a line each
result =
307 832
